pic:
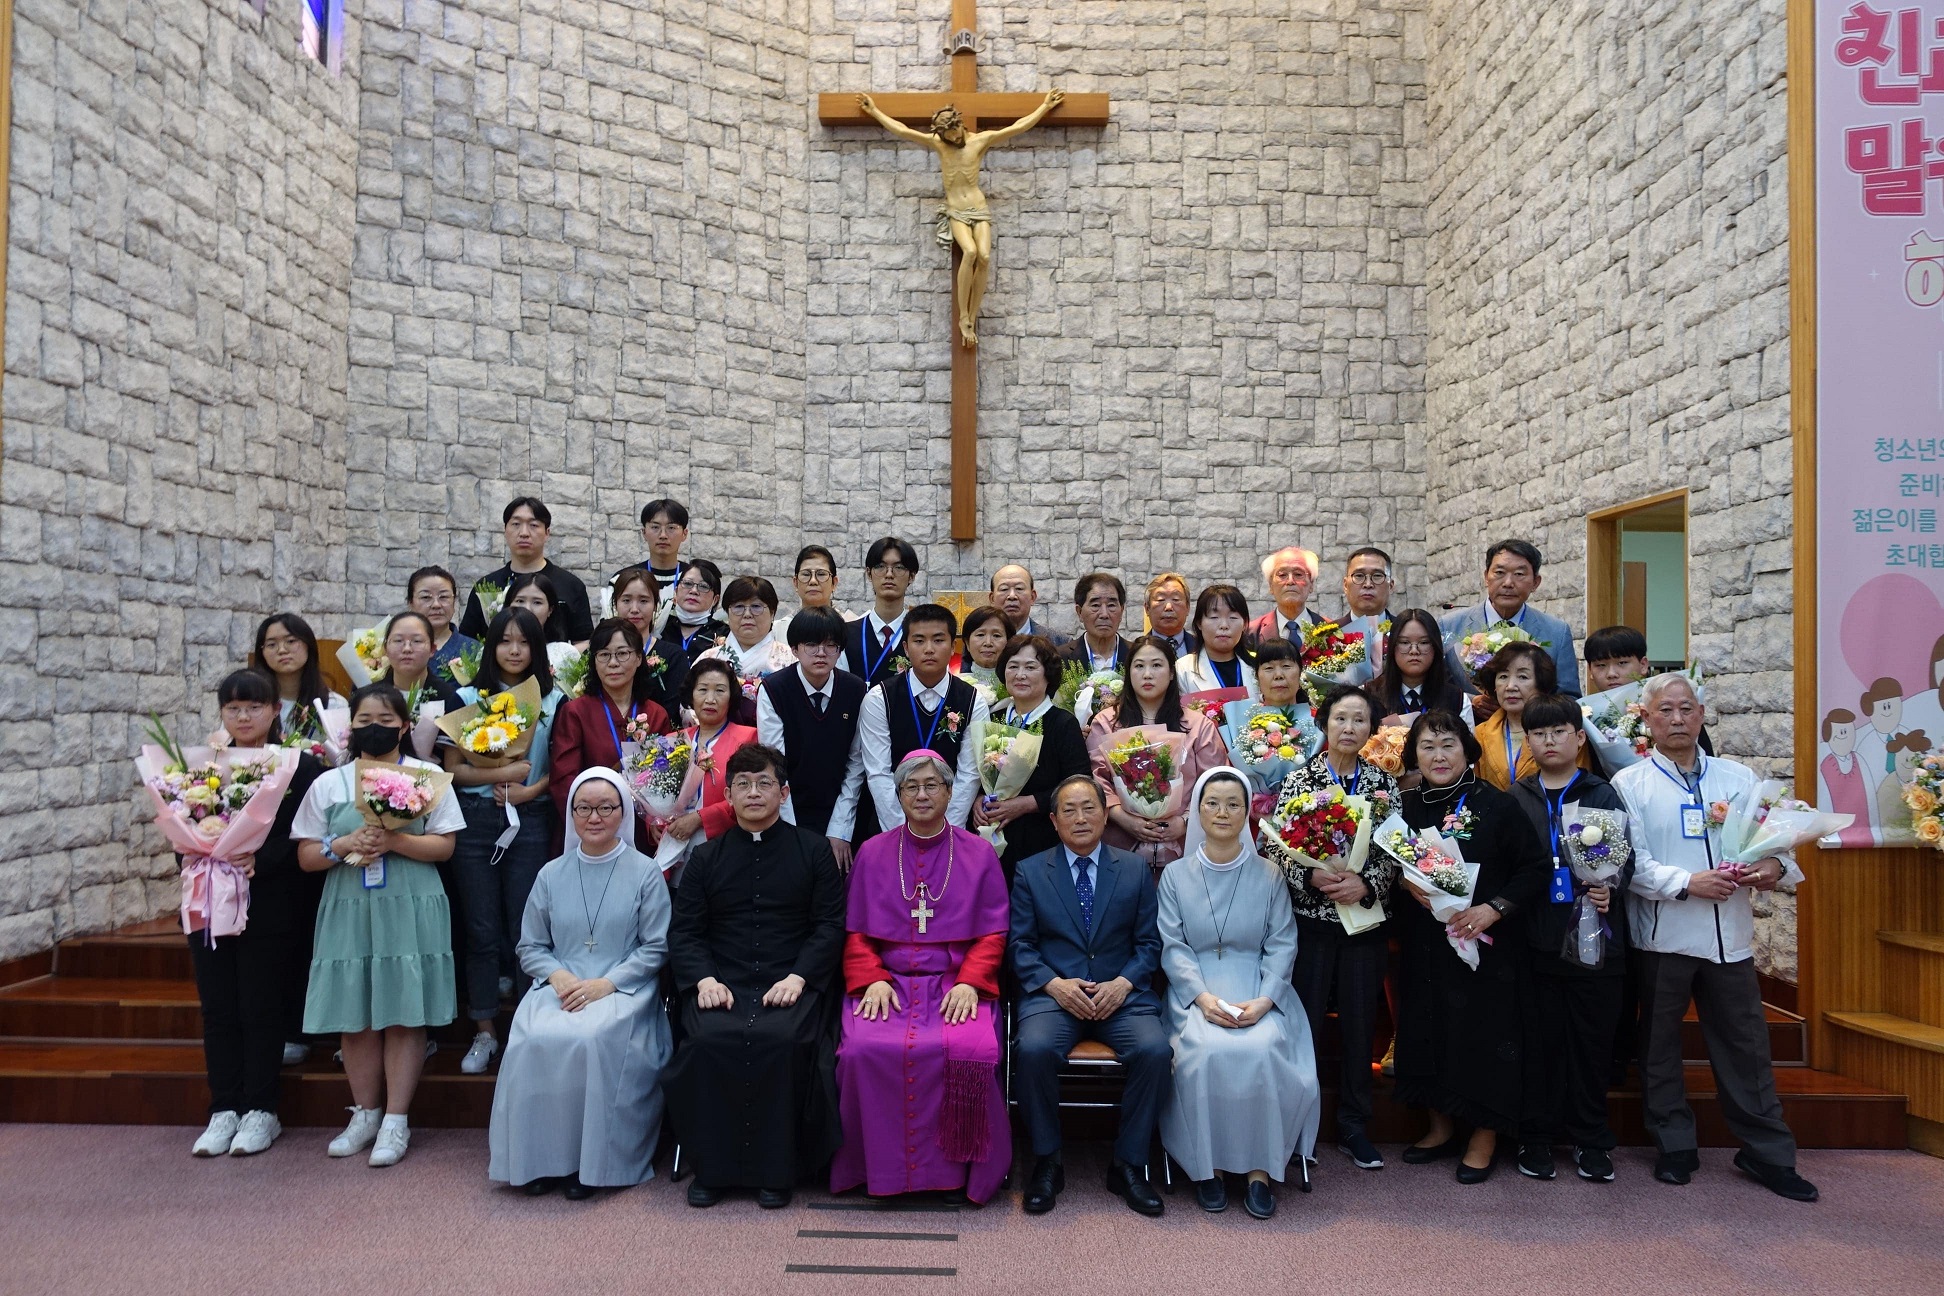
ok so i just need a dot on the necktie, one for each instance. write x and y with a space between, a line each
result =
1294 631
1413 701
1084 889
817 700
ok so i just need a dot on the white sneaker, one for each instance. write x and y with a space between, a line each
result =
257 1132
358 1134
392 1142
295 1053
431 1046
480 1055
215 1140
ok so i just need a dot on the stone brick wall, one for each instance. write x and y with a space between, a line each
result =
579 273
1608 237
1206 329
180 226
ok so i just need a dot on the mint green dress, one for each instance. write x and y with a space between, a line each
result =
382 956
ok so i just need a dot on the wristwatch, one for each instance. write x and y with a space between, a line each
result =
1682 894
1499 907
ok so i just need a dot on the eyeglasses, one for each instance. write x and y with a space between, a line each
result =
885 569
615 657
931 787
435 600
663 528
1408 646
1368 580
694 586
748 784
244 710
747 610
1290 574
815 577
601 811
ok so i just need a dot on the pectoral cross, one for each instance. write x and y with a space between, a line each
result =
589 942
975 112
923 913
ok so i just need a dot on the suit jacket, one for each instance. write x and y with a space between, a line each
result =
1557 635
1048 939
1269 625
1035 626
1076 650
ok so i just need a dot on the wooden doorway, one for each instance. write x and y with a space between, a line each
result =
1637 573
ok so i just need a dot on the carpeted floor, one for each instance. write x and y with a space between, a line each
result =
103 1210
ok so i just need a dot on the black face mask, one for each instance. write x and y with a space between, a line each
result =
375 740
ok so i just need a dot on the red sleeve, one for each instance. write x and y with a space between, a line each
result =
566 755
862 966
981 967
718 816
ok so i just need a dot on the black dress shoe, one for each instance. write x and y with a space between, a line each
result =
1131 1186
1536 1161
1044 1185
773 1198
1211 1195
1451 1147
576 1190
1783 1181
953 1197
700 1194
1469 1174
539 1187
1677 1167
1258 1199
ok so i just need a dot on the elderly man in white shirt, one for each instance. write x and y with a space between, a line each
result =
1693 926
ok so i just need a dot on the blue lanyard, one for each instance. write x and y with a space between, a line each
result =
871 668
690 637
1688 789
1511 757
1093 662
1215 668
1557 806
607 714
925 740
1356 777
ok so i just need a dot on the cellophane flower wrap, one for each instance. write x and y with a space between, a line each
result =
667 783
1765 820
212 806
1268 743
1337 652
1597 849
1145 762
1433 866
1008 755
1099 692
362 655
1480 646
1924 794
1328 831
491 596
333 729
571 678
1616 722
397 797
498 729
1213 704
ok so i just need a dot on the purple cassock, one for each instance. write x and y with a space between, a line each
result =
921 1105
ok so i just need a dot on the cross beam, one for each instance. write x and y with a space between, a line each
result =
981 112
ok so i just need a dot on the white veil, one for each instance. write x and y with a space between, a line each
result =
620 787
1196 837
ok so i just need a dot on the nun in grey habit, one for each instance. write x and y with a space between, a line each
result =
579 1099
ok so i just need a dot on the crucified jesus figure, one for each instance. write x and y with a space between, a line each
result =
964 219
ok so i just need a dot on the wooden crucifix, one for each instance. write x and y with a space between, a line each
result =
962 118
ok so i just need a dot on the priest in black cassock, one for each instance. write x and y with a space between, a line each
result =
756 944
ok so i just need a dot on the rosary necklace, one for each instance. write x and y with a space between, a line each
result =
924 913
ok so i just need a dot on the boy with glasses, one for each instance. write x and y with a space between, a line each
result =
872 647
810 714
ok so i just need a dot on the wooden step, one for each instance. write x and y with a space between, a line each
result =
152 949
101 1008
1924 942
1888 1026
1788 1038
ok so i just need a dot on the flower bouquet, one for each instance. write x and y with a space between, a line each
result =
1213 704
213 806
1066 694
1385 749
363 655
1008 755
667 784
497 729
1099 692
333 729
425 707
1764 820
1326 831
571 679
462 668
1924 794
1597 850
1337 652
1479 647
1269 742
1435 868
1616 722
491 596
1145 764
395 797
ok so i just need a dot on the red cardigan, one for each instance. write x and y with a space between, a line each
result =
718 816
582 740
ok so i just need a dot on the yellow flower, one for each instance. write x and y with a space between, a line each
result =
214 782
1286 752
1930 831
1919 799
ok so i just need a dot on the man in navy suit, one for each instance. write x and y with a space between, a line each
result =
1085 946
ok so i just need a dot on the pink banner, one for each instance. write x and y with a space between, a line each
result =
1880 407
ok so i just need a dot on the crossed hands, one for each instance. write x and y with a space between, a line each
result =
1252 1011
575 994
1090 1000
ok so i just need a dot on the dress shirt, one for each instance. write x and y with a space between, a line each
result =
1721 931
1073 861
769 732
871 759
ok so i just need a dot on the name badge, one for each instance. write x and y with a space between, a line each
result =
1562 884
374 874
1694 822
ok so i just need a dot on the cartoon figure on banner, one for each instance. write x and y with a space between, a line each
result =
1844 789
1892 815
1882 703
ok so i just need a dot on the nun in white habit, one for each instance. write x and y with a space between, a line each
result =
1245 1096
579 1100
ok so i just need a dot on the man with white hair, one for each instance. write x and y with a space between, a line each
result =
1291 575
1693 924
